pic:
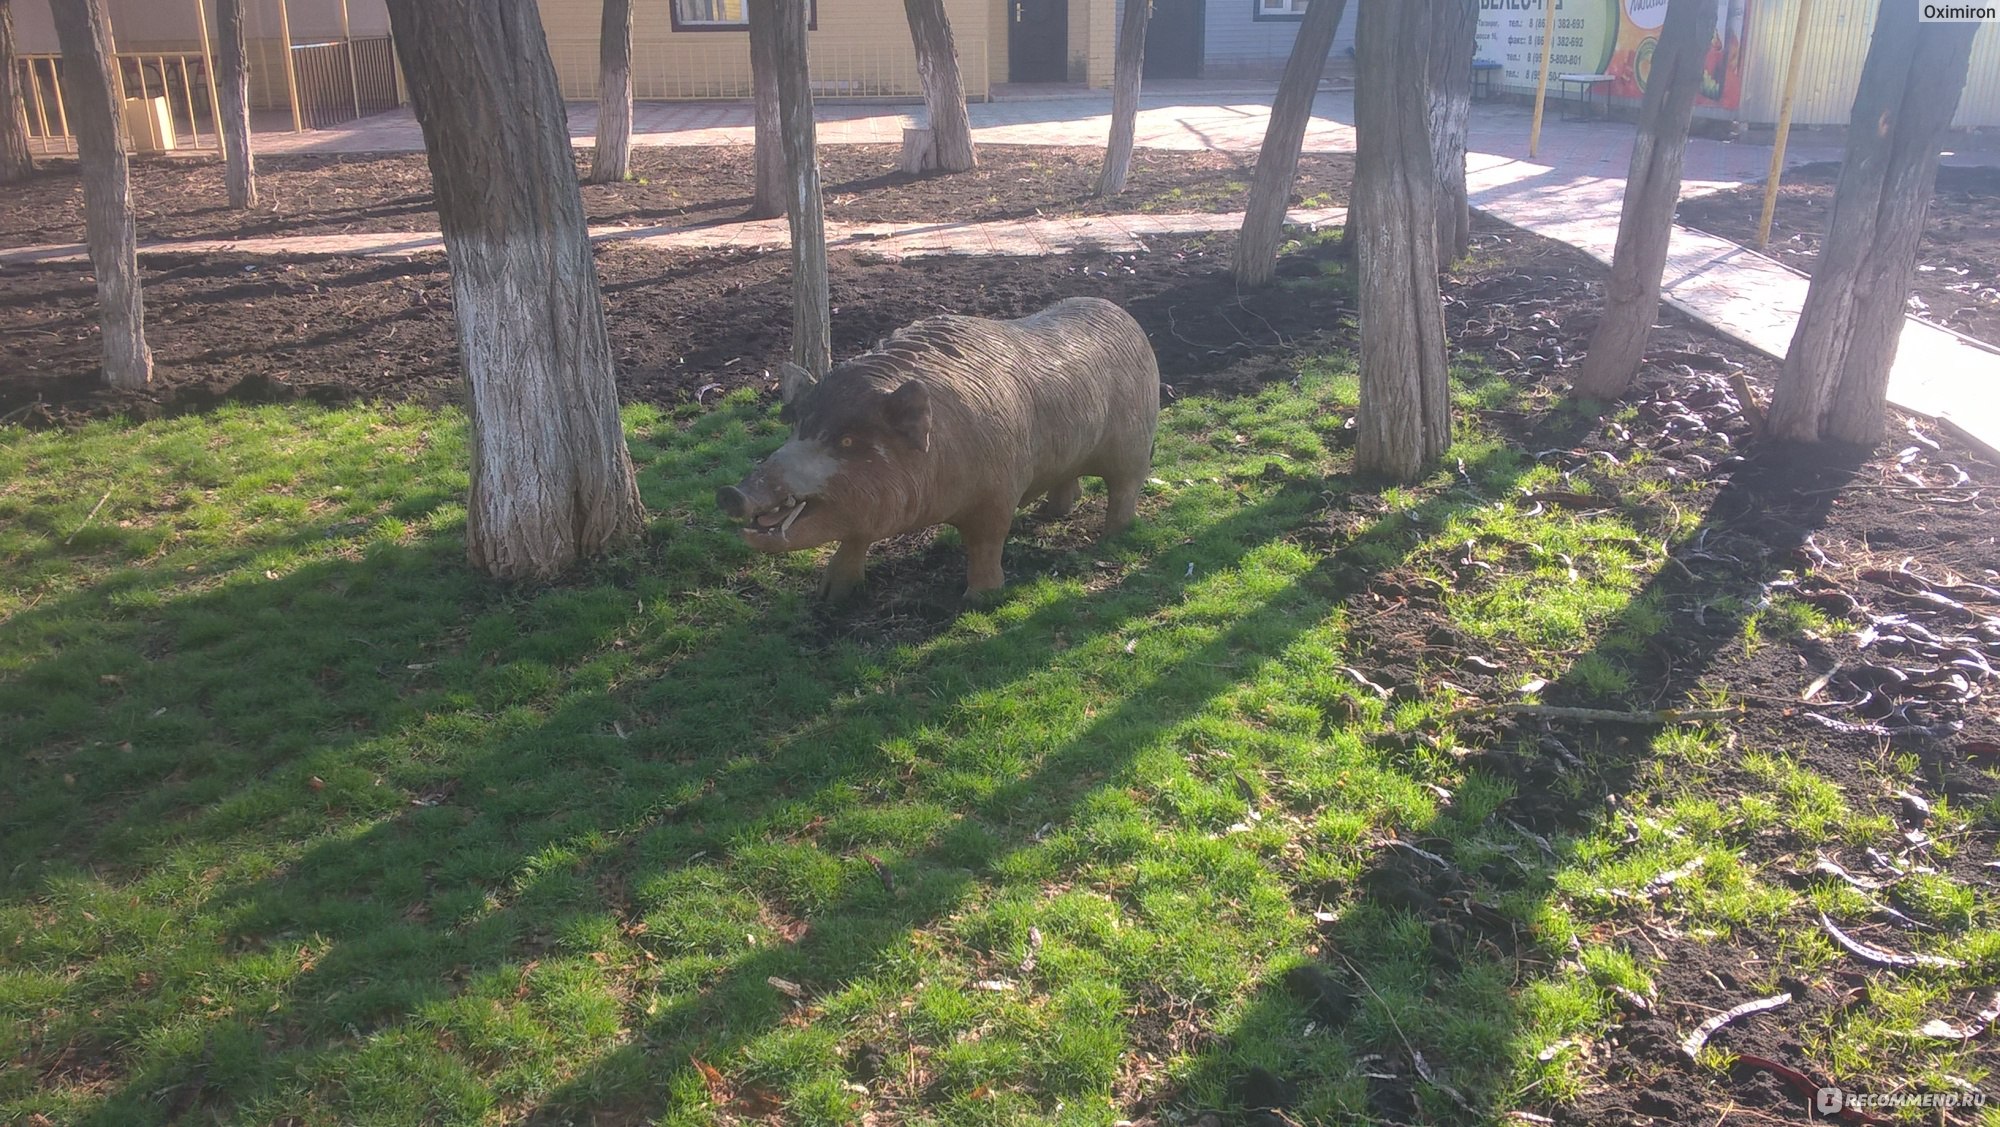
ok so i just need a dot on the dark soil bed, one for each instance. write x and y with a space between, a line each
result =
182 198
684 326
1957 282
688 326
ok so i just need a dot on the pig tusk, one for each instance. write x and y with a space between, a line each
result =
785 528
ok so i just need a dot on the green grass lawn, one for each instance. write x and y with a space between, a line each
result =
305 823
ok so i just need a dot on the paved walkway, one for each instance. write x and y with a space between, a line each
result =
1018 237
1570 191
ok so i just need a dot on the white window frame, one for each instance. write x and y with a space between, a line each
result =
1279 9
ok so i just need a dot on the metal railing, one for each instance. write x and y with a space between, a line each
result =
340 80
332 82
180 79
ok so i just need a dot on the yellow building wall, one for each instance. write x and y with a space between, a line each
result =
1092 41
860 49
996 38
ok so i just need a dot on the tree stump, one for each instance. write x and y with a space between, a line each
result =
919 152
944 86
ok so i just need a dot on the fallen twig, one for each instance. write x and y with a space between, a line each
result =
1697 1040
1880 957
1806 1087
1416 1058
92 515
1599 715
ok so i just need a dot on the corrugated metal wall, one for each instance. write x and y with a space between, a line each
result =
1238 44
1836 46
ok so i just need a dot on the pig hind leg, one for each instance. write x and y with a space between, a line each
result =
1059 501
1121 486
1122 504
843 572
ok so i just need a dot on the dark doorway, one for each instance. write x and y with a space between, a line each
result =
1038 40
1173 39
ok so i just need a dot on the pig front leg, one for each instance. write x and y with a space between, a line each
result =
985 534
843 571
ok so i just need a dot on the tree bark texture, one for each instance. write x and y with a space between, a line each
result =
611 162
767 199
1126 69
812 333
15 162
551 479
1652 191
239 165
944 87
1403 421
1835 381
1278 161
91 99
1452 47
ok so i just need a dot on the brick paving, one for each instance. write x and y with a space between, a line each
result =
1016 237
1570 191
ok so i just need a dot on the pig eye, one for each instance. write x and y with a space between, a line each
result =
846 441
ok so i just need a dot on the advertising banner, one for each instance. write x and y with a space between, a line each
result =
1614 37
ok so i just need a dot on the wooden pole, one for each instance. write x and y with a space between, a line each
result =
291 71
353 74
208 64
1542 84
1784 126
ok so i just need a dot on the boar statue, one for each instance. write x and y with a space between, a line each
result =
958 421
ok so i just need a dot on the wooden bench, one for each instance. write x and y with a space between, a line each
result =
1584 83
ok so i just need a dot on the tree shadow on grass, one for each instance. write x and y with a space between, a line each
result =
479 795
1444 961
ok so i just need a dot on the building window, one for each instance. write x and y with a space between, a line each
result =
720 15
1278 9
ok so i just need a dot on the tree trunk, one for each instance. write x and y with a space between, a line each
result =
1652 191
767 199
944 88
233 87
92 103
612 160
1278 161
1835 381
1125 72
551 480
1404 418
1452 48
812 333
15 162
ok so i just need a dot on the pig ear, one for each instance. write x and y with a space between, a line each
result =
909 413
793 381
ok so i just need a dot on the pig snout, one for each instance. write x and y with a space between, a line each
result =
734 503
766 506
